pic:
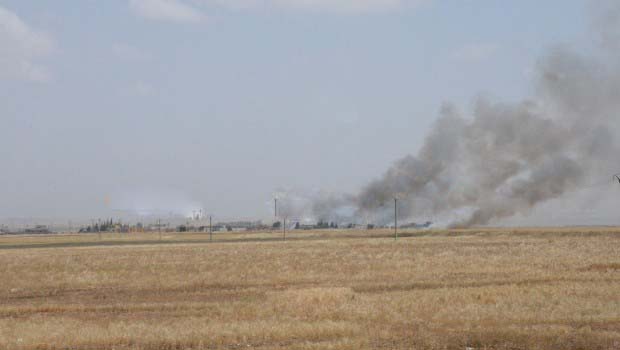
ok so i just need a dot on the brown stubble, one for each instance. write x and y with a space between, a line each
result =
490 288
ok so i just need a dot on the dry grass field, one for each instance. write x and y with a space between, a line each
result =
482 289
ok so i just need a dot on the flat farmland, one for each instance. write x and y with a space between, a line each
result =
531 288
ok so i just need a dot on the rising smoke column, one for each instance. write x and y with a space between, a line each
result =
507 158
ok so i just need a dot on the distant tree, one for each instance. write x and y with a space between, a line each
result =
277 225
297 226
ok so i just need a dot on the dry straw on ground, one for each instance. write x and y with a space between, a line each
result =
485 289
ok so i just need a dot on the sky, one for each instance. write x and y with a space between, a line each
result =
175 105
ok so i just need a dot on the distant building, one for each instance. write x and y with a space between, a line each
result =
39 229
307 226
248 225
238 226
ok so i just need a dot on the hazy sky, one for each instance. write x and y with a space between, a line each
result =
217 103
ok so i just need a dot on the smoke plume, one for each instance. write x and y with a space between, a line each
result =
505 159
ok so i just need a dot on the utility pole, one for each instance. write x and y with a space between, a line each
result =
284 229
159 228
275 210
210 230
395 218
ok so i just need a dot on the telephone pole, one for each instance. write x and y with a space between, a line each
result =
395 218
159 228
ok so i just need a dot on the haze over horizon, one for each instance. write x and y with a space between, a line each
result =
176 105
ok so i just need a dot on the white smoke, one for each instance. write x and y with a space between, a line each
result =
505 159
155 202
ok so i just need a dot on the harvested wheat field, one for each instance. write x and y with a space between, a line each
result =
483 289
